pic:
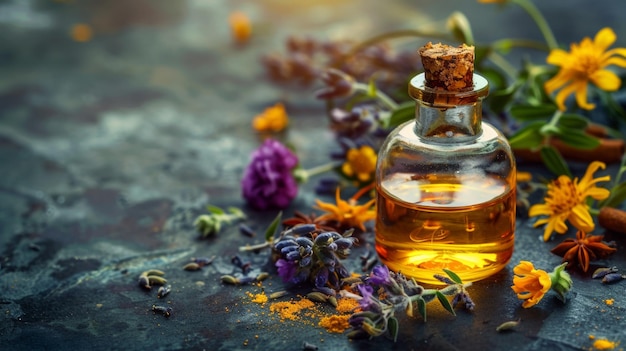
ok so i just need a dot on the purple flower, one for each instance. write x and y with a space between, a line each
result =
268 181
367 292
286 269
380 275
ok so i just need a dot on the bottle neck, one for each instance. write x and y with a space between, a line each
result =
448 116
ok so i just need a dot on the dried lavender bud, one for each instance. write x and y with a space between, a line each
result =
612 278
163 291
308 346
246 230
164 310
601 272
203 261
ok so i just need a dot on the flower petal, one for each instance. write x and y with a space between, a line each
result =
605 80
604 38
581 218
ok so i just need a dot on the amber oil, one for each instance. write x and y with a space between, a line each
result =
446 189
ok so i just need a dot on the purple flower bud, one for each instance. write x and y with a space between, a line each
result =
305 242
293 256
321 278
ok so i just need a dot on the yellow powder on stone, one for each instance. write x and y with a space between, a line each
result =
290 309
335 323
604 344
347 305
609 302
259 298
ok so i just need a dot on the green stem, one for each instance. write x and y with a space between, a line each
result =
321 169
541 22
384 98
303 175
503 64
507 44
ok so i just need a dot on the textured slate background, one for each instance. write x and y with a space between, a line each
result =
110 148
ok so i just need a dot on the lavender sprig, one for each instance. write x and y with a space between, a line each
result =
377 317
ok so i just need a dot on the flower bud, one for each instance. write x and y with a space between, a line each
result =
561 281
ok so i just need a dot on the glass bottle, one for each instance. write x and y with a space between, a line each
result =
446 188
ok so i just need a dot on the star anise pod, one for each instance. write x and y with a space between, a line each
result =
583 249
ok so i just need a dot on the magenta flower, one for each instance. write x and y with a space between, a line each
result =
268 181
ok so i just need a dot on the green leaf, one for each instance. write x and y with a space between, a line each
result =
444 302
528 137
578 139
393 327
533 112
269 232
501 98
618 196
421 307
573 121
554 161
405 112
214 209
455 278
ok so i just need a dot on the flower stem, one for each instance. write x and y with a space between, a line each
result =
303 175
541 22
382 97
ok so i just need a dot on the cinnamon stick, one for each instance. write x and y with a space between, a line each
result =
612 219
609 151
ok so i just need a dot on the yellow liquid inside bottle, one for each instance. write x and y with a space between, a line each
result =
464 223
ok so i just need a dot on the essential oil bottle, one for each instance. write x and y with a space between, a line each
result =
446 181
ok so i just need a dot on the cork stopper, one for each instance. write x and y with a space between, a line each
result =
447 67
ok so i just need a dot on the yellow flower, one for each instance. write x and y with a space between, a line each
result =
240 27
586 62
273 119
566 200
348 213
361 163
530 284
492 1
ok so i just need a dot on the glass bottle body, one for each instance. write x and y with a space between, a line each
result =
446 194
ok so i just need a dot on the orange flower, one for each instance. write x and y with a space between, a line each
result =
530 284
348 213
273 119
81 32
240 27
566 199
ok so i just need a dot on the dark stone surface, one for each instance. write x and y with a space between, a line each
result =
110 149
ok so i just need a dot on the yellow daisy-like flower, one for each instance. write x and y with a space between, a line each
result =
349 213
492 1
530 284
586 62
566 200
240 27
361 163
273 119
